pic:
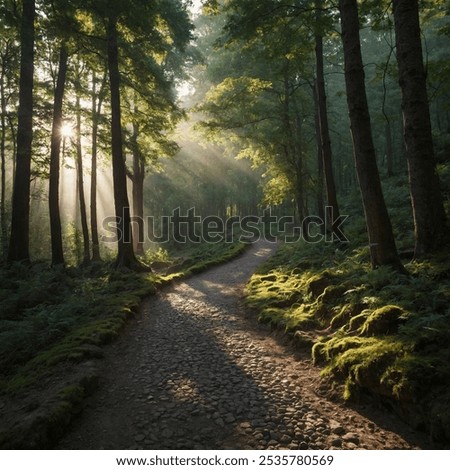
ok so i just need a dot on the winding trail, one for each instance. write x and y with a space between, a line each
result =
197 371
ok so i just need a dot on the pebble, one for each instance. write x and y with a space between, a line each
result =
350 437
336 442
339 430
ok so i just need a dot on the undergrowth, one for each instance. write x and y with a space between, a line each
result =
53 317
376 331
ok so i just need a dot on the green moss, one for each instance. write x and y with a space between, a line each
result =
362 362
355 323
383 321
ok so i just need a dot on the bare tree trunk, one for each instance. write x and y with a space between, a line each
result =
428 209
382 245
320 174
80 185
19 249
327 154
3 229
97 102
125 256
138 192
55 148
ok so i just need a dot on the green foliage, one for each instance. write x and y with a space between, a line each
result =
46 314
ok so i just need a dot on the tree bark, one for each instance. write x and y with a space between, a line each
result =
55 148
20 219
428 209
3 229
138 192
125 255
97 103
382 245
320 173
80 185
325 140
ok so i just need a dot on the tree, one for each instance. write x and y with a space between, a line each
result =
324 139
97 103
20 220
55 147
381 240
428 209
79 169
8 85
125 256
149 47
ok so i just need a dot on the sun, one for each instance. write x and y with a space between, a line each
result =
67 130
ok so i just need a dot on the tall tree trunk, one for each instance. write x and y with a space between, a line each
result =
20 221
382 245
292 154
3 228
428 209
320 173
327 154
138 192
80 185
55 148
97 102
125 256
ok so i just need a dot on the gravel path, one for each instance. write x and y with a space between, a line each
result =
196 371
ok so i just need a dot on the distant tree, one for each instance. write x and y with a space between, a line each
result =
8 78
79 170
97 98
323 139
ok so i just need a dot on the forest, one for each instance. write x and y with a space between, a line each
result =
142 142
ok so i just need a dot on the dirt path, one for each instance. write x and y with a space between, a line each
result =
196 371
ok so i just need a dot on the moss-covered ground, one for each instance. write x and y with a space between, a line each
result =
375 331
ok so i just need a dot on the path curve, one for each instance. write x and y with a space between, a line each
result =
196 371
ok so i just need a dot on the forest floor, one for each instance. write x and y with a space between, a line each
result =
195 370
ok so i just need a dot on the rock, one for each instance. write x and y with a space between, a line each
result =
139 437
351 437
285 439
303 446
336 442
338 430
350 445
